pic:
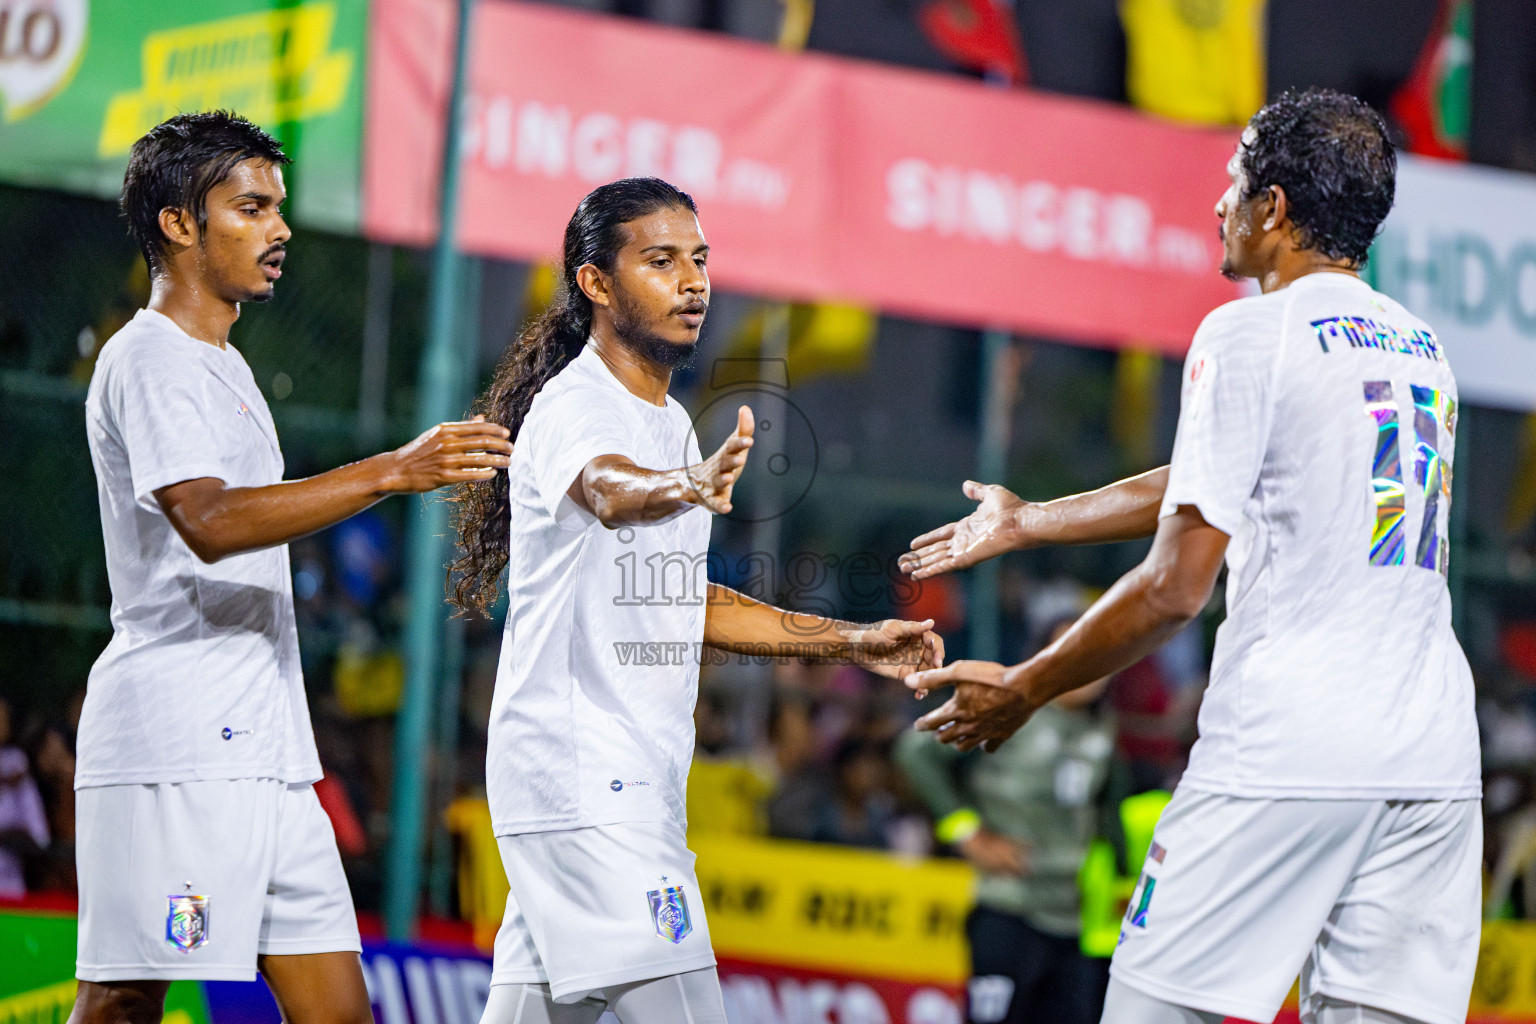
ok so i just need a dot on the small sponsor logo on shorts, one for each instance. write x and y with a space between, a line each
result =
230 734
1141 900
1157 853
618 784
186 922
669 913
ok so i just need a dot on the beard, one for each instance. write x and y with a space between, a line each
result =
640 339
1225 270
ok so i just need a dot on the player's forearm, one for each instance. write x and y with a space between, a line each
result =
1135 617
1124 510
737 623
218 521
619 493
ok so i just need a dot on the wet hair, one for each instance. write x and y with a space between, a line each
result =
177 163
594 234
1331 154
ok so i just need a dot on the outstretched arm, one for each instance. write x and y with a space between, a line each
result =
1125 510
620 493
1136 616
217 521
895 648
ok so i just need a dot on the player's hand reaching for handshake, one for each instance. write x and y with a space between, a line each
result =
217 521
982 712
713 479
987 532
896 648
620 493
449 453
1124 510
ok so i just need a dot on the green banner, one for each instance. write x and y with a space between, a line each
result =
80 80
37 979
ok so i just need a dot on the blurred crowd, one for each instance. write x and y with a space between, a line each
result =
793 750
788 749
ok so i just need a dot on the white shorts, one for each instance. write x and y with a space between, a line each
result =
195 879
600 906
1373 902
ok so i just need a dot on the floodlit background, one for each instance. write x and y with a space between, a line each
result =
952 239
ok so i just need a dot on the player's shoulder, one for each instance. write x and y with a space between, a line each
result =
146 344
141 353
1253 321
1399 313
570 397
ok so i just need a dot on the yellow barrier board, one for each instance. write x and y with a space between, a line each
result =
836 909
50 1004
1505 988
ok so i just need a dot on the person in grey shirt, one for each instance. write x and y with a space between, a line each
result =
1024 817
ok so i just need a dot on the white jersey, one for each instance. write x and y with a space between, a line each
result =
592 719
201 679
1317 431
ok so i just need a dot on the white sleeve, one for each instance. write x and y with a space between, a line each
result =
569 430
1224 414
163 409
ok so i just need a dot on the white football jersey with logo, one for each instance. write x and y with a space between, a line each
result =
592 718
201 680
1317 430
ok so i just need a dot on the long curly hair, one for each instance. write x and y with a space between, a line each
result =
594 235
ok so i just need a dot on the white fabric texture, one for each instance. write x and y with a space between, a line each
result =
1331 1011
580 913
201 679
691 998
262 851
1333 677
1371 902
589 725
1125 1005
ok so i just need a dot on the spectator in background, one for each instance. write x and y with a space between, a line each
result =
51 749
1024 816
1156 702
862 808
23 822
800 790
726 794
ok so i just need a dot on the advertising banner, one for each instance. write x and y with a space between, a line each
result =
829 907
440 983
817 177
80 80
37 972
1459 249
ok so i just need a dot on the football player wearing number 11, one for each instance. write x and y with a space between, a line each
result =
1328 822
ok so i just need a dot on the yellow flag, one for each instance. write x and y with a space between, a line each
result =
1195 60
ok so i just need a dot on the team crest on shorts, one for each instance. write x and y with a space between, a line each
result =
186 922
669 912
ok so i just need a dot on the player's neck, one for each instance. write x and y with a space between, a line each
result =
195 310
1290 265
640 376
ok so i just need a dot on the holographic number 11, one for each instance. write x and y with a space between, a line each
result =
1434 428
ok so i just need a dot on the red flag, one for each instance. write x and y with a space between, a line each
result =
978 34
1435 105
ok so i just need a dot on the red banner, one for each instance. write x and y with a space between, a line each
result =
817 177
758 993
